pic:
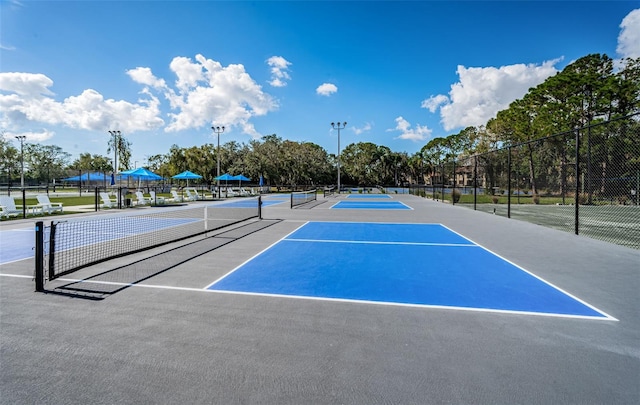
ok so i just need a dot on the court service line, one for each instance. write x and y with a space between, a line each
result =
369 242
607 316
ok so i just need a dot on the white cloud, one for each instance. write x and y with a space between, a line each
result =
209 92
433 102
25 84
279 71
204 92
29 101
419 133
326 89
144 76
367 127
482 92
629 38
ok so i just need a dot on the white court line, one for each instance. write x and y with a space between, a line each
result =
341 300
368 242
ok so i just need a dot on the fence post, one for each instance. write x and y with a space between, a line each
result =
509 182
475 182
24 203
453 191
577 198
39 253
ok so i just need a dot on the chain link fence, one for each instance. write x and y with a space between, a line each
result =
585 181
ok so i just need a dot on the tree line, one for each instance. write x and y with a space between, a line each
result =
590 90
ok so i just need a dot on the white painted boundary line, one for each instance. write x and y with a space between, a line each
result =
341 300
367 242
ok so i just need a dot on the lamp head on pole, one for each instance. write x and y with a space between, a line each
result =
336 125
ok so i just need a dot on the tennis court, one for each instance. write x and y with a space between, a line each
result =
365 262
367 196
433 304
366 204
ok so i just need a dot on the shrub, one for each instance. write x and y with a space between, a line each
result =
455 196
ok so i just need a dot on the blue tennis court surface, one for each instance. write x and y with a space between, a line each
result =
371 205
16 244
406 264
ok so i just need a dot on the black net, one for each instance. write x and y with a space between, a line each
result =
303 197
78 243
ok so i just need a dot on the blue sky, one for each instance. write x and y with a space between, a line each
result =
399 73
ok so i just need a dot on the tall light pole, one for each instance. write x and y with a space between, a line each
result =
116 135
21 138
336 125
218 130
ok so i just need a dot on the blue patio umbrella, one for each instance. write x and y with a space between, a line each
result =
240 179
141 174
187 175
97 176
225 177
261 181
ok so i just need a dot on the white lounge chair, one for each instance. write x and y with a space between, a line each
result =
175 196
8 207
107 202
156 199
48 206
190 195
141 199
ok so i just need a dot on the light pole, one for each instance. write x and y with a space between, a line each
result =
218 130
336 125
116 135
21 138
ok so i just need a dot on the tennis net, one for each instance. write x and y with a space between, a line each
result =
74 244
303 197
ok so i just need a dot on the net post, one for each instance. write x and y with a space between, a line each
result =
39 253
259 207
52 239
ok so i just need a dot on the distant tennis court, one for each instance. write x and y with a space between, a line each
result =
368 196
371 205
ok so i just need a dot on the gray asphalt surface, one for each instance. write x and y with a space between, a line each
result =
167 341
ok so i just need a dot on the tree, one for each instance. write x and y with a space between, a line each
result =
45 162
122 148
10 158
